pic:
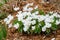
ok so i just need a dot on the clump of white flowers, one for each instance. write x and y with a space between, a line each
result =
34 20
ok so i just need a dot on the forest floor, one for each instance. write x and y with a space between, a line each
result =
14 35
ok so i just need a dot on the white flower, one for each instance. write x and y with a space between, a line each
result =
35 7
55 14
47 15
33 15
24 14
27 23
24 8
29 13
33 27
37 12
51 12
29 9
29 4
20 17
43 29
52 17
48 20
6 19
33 22
16 25
7 22
25 28
10 17
47 25
29 18
41 18
57 22
58 16
19 12
10 25
53 39
16 8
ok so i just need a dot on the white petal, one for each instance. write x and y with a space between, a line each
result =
29 9
16 8
51 12
37 12
43 29
7 22
6 19
25 28
33 22
57 22
48 25
10 17
16 26
10 25
19 12
53 39
35 7
33 27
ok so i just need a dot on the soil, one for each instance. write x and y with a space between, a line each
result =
46 7
13 35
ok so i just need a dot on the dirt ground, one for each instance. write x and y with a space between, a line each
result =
14 35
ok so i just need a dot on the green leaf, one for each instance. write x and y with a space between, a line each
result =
1 4
35 10
37 21
26 17
41 12
29 30
48 31
54 26
55 18
20 29
3 32
42 23
15 21
37 28
1 35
